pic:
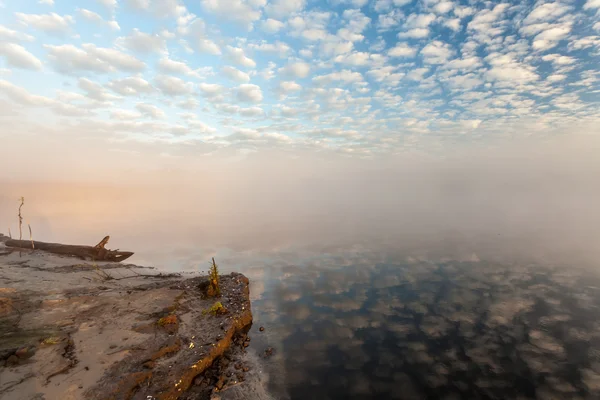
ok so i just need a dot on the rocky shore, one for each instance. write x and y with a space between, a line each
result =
72 329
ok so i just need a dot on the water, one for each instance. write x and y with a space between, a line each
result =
360 325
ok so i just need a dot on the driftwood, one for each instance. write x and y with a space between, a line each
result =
96 253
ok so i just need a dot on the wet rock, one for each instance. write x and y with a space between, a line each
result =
269 352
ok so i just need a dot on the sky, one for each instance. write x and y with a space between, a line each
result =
90 83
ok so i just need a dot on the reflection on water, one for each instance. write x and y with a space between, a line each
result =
371 327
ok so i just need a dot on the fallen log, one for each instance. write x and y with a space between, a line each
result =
95 253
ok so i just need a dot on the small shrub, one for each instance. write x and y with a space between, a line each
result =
216 309
168 320
214 288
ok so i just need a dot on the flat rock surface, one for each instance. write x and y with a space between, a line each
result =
78 330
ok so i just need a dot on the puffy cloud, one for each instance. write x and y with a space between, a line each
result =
97 19
14 36
296 70
69 59
52 24
95 91
443 7
453 24
168 66
508 71
486 21
402 50
249 93
131 86
271 25
590 4
278 48
208 46
210 89
235 74
546 11
550 37
172 86
557 59
436 52
16 56
22 96
150 110
236 55
284 8
246 11
144 43
344 75
416 33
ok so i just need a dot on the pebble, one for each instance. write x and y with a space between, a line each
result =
262 328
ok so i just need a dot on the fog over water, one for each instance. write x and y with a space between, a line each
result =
526 200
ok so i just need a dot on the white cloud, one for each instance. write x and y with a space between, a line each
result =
210 89
249 93
486 21
556 78
402 50
272 25
138 4
14 36
69 59
110 4
417 74
144 43
168 66
443 7
150 110
416 33
95 91
550 37
236 55
437 52
172 86
46 2
508 71
557 59
590 4
453 24
419 21
384 5
344 75
235 74
52 24
278 47
245 11
284 8
131 86
296 70
22 96
546 11
97 19
288 87
208 46
16 56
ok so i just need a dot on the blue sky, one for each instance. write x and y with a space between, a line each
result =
358 77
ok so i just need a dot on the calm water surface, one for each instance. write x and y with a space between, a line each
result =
363 325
